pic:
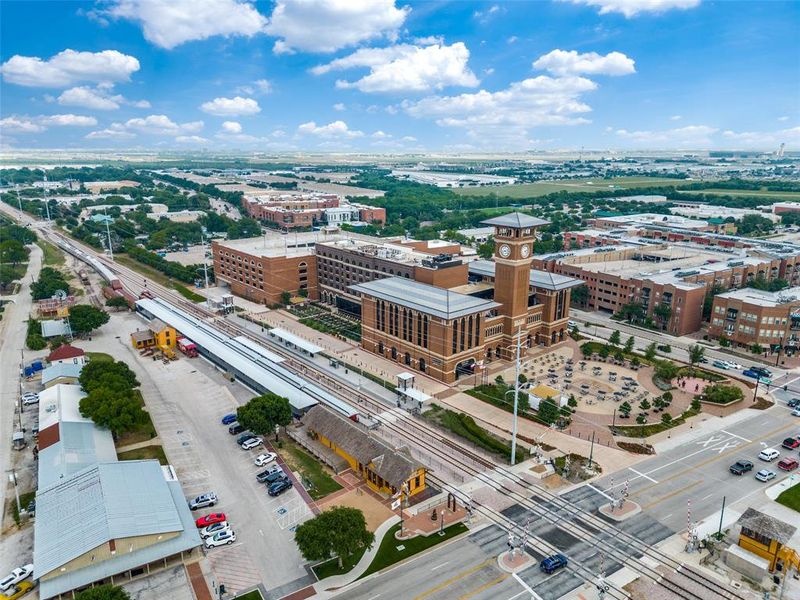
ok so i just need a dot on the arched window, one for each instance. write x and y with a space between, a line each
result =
394 353
407 359
380 347
422 364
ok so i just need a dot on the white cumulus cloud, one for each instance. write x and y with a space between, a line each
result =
569 62
170 23
260 87
764 140
152 124
68 68
632 8
232 127
99 98
406 67
328 25
191 139
335 129
688 136
231 107
25 124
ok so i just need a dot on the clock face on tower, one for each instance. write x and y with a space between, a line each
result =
525 251
505 251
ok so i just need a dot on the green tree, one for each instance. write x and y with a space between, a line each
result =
99 373
756 349
548 411
103 592
625 409
708 301
580 296
635 362
666 370
644 405
13 251
696 354
84 318
118 302
722 394
117 411
50 281
666 419
261 414
615 338
641 419
663 312
486 250
619 356
286 297
695 406
667 397
340 532
572 402
604 351
650 351
632 312
629 344
523 403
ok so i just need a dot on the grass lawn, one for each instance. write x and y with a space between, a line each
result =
388 554
99 357
254 595
331 567
145 431
52 256
542 188
145 453
310 469
791 497
158 277
643 431
24 500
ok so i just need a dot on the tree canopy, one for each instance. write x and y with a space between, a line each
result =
84 318
340 532
722 394
262 413
49 282
548 411
103 592
13 251
98 373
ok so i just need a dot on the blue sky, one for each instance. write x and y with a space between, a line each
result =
394 76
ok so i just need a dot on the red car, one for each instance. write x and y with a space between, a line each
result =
791 443
210 520
788 464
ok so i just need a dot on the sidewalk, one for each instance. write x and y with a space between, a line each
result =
327 588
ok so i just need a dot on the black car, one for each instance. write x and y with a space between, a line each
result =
244 437
275 477
793 403
277 488
235 428
740 467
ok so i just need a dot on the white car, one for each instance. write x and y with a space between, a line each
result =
214 529
221 538
765 475
30 398
265 459
769 454
252 443
734 365
796 412
16 576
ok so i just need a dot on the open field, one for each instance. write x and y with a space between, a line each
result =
542 188
159 277
53 257
765 193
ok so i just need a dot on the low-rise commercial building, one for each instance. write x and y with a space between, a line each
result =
385 469
99 520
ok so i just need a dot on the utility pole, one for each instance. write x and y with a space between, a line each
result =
12 477
19 202
516 401
721 515
205 260
108 233
44 193
591 451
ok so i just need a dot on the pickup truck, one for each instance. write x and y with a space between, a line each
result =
740 467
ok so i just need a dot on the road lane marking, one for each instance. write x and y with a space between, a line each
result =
485 586
642 475
725 446
599 491
712 440
375 596
707 497
670 495
515 596
452 580
736 436
528 588
440 566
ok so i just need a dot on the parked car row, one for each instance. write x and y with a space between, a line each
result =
214 527
727 364
788 463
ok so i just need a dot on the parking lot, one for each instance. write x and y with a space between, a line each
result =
186 400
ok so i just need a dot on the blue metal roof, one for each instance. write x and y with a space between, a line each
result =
57 370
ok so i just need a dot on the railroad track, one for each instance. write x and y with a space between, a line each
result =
574 520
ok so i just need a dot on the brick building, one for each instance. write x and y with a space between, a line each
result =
448 333
747 317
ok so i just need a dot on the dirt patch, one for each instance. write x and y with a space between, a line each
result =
374 512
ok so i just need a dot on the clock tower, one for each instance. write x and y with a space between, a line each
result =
513 247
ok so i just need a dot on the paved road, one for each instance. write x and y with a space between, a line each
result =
16 550
643 337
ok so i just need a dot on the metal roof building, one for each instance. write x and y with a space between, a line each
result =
540 279
108 519
425 298
61 371
68 442
253 367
